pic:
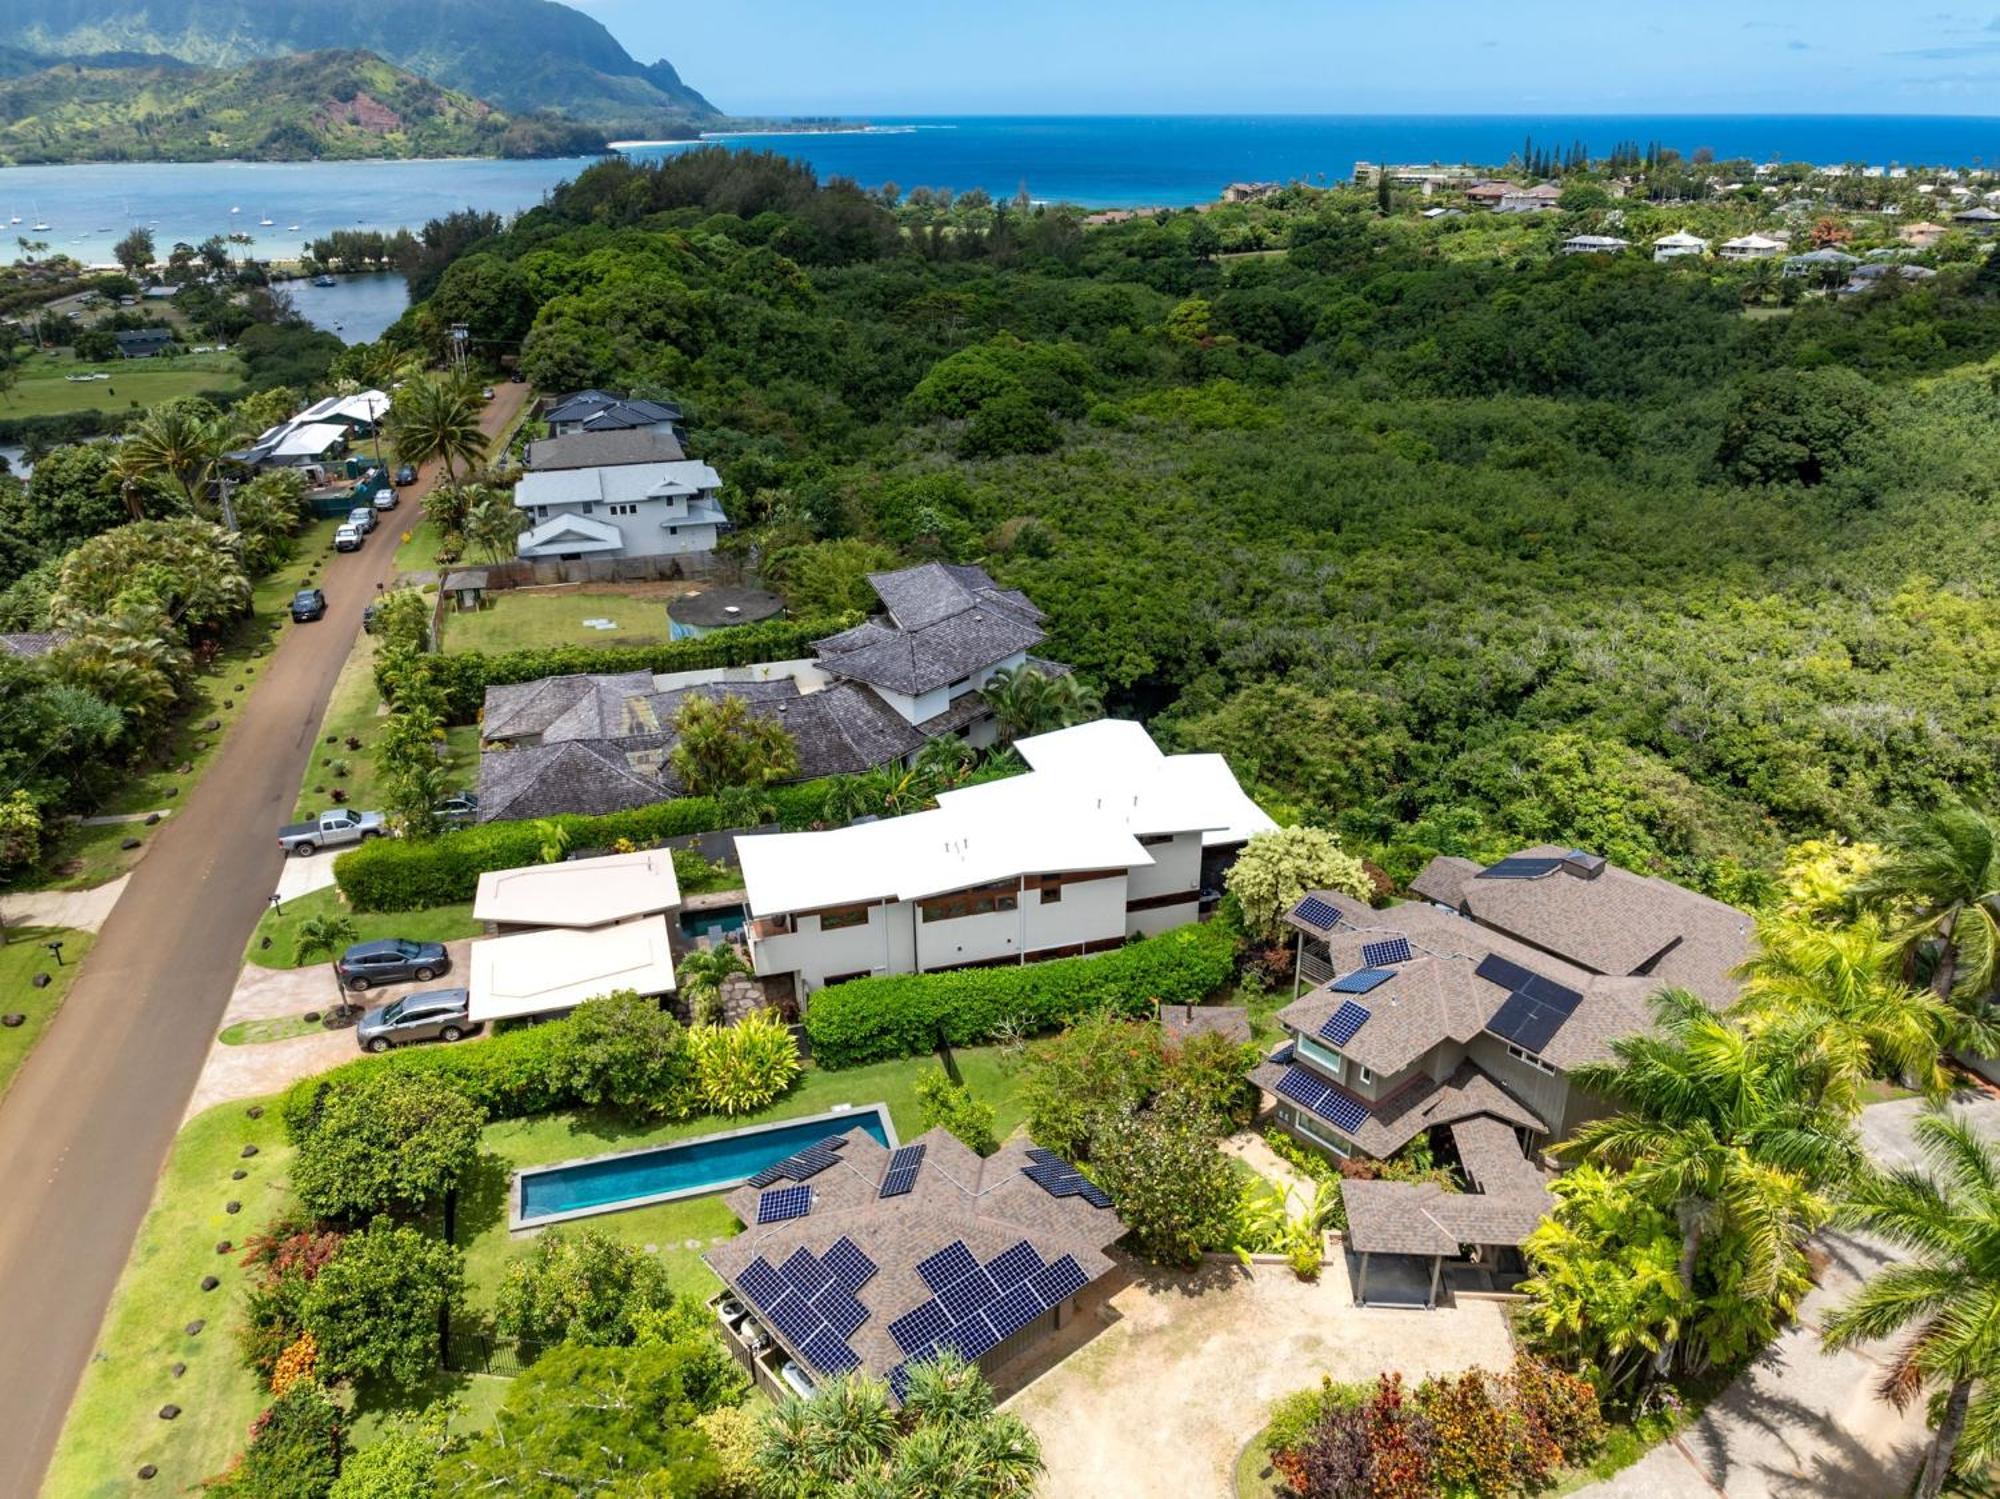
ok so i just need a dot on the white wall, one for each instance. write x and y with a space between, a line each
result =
1093 911
968 939
1158 919
1176 866
643 533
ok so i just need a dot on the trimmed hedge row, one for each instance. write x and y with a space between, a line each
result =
396 874
901 1015
508 1074
464 676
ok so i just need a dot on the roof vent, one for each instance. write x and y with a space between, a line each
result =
732 609
1585 866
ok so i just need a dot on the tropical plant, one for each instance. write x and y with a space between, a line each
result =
1946 1296
295 1449
374 1308
552 840
174 449
382 1139
580 1286
745 1067
1278 866
701 974
942 1102
1941 870
1165 1170
494 523
624 1051
1029 700
402 1462
1717 1123
326 935
437 417
721 744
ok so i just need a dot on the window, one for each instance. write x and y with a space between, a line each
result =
1325 1058
837 918
1362 1074
1520 1054
1308 1124
1154 840
673 530
983 900
1051 892
541 512
843 978
588 507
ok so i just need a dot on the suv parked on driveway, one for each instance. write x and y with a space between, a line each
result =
427 1015
392 960
362 518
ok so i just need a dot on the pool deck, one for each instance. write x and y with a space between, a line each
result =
518 1225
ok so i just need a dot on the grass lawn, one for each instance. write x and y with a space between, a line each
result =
113 1426
86 856
438 924
21 959
519 618
419 552
351 714
276 1028
42 390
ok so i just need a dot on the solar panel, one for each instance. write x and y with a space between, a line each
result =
1315 912
831 1142
843 1313
1497 970
1388 950
849 1265
768 1175
902 1173
1343 1023
1347 1114
1043 1157
964 1298
953 1262
1528 1025
805 1272
784 1202
828 1352
795 1319
1362 980
1012 1266
899 1381
1015 1310
760 1282
1555 996
1057 1179
917 1329
1059 1281
971 1338
1520 869
1302 1087
1093 1194
810 1162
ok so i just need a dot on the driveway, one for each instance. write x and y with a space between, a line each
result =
1157 1385
79 910
87 1123
1799 1423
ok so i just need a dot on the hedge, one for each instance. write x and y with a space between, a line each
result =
901 1015
507 1074
397 874
464 676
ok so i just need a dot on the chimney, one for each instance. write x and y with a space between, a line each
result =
1583 865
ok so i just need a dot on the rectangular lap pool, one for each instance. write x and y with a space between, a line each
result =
686 1168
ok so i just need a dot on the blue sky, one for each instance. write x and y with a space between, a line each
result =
1319 56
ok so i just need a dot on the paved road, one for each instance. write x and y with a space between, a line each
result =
85 1128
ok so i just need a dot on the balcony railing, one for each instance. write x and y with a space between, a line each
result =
1314 970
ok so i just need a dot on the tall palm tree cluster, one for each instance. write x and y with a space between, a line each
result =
1740 1125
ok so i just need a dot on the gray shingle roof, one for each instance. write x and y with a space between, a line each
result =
1424 1102
32 643
604 449
567 707
944 624
545 780
609 411
923 595
1510 1197
988 1204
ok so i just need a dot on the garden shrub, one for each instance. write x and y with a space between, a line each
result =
940 1101
283 1260
508 1075
580 1287
624 1052
374 1308
382 1139
295 1450
900 1015
745 1067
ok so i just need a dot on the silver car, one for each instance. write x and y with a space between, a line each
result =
429 1015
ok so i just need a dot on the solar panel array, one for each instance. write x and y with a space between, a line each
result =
810 1299
977 1310
1362 980
1059 1178
1520 869
1535 1008
1388 950
1344 1113
1343 1023
902 1173
1316 912
784 1202
803 1166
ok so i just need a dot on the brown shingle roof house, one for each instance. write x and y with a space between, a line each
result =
855 1255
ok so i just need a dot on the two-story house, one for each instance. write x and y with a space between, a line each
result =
625 510
1103 839
606 411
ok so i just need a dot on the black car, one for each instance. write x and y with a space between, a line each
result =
369 616
308 603
428 1015
391 961
406 474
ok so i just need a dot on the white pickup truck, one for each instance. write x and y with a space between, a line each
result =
330 830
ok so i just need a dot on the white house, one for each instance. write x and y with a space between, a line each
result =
1752 247
579 892
631 510
1105 838
362 411
1594 244
1681 246
548 972
308 443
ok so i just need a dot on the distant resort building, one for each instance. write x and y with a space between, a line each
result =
1540 198
1681 246
1816 261
1752 247
1922 235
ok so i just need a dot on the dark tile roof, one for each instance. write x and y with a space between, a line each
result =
1231 1022
1510 1197
1618 923
568 707
611 409
604 450
944 624
714 607
923 595
144 340
988 1204
1424 1102
545 780
32 643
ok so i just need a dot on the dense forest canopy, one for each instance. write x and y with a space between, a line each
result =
1444 540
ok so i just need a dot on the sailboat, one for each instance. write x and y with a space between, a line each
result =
234 209
267 221
15 220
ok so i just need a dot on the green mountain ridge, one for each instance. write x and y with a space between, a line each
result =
336 105
521 55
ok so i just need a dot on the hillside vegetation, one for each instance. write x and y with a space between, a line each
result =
522 55
1453 548
340 105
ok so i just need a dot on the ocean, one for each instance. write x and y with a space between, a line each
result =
1107 161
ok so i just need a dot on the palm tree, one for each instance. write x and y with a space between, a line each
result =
437 417
1027 700
1943 868
1950 1289
494 525
326 936
172 445
1836 993
1716 1121
701 974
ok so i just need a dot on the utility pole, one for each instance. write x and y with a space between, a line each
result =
228 510
459 334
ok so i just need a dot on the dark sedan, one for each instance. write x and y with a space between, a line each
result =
308 603
428 1015
406 474
392 960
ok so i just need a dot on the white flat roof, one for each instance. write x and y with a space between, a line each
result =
539 973
580 893
316 437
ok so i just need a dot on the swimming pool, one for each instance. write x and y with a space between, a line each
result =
686 1168
719 921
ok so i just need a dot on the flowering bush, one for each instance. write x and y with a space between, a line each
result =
300 1360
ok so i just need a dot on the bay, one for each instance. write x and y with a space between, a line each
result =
356 308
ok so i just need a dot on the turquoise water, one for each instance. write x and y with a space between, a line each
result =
1108 160
724 922
691 1166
